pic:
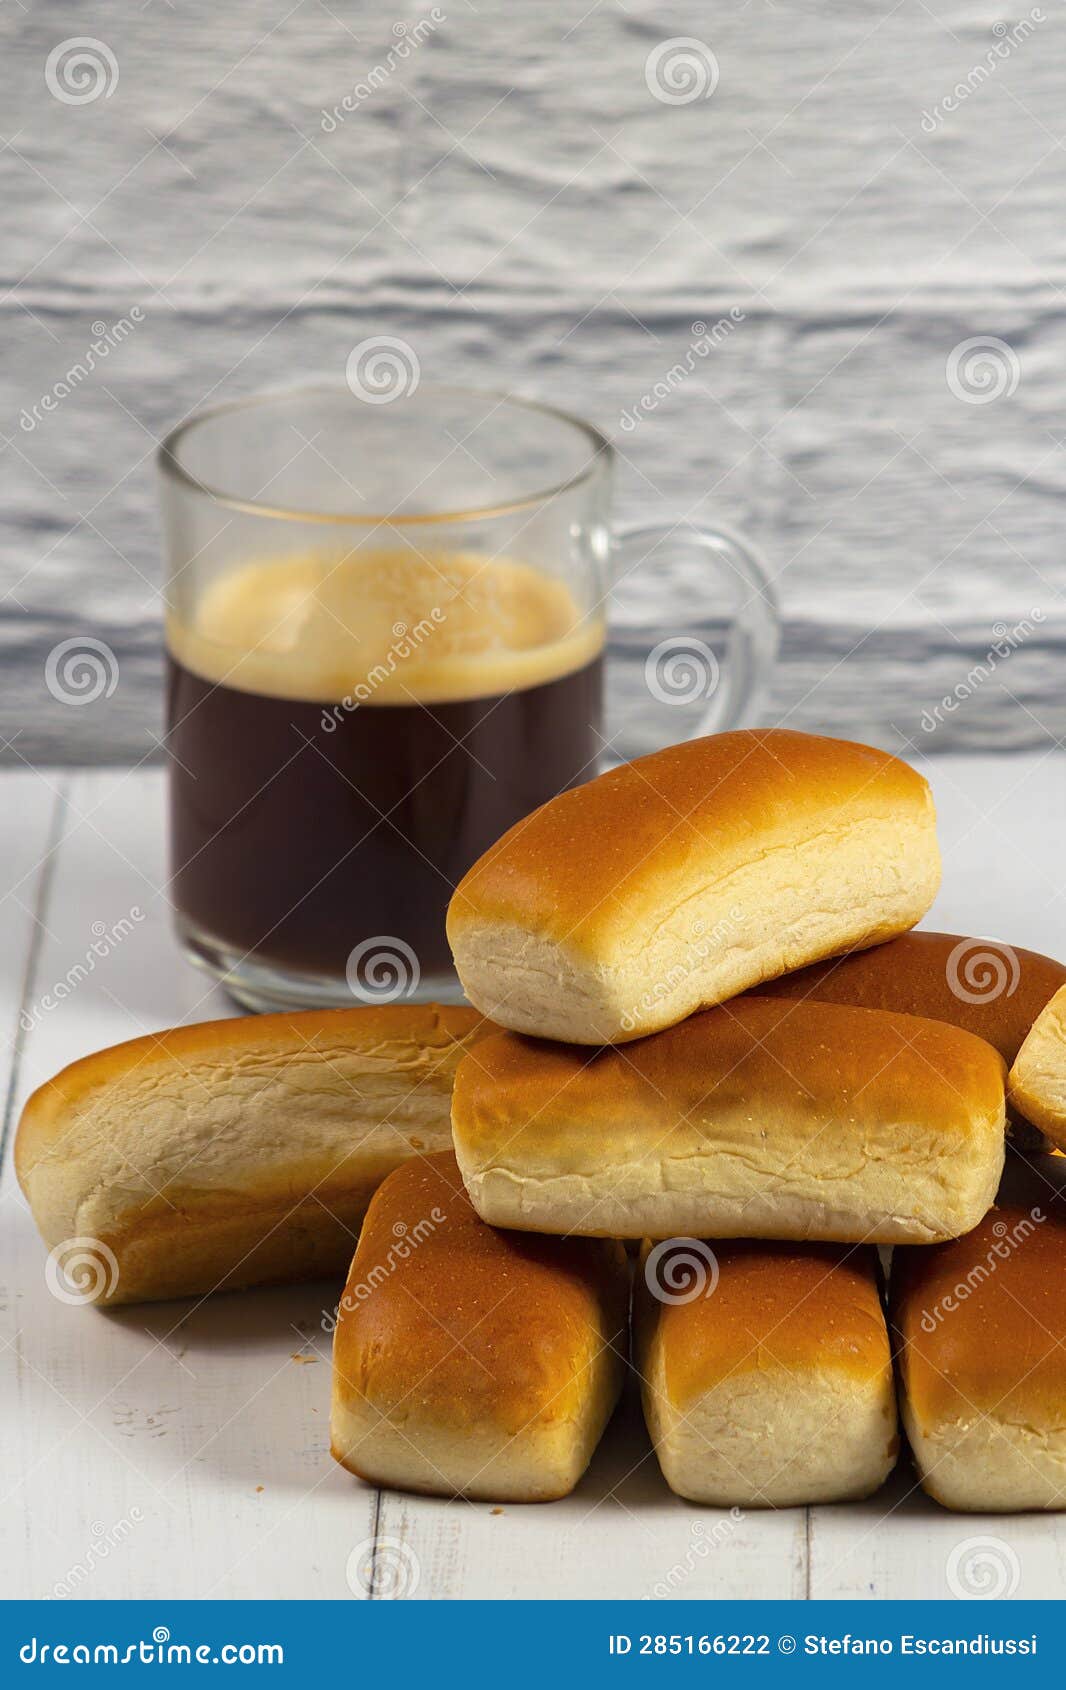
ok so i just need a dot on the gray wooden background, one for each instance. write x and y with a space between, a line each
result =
868 185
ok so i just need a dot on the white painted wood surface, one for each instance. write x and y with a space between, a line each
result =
514 202
181 1449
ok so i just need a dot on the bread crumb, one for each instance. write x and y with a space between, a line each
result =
258 1489
302 1360
495 1510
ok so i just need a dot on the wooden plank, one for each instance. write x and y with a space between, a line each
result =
902 1545
621 1534
29 819
176 1448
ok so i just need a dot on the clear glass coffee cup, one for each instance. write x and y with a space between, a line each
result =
393 630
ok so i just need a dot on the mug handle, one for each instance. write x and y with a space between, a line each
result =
693 629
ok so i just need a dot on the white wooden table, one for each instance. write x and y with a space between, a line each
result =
182 1451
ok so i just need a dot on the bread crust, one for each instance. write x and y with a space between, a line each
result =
471 1361
760 1118
767 1375
990 989
993 990
979 1326
1037 1084
239 1151
683 878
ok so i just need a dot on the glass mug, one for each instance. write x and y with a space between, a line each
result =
389 629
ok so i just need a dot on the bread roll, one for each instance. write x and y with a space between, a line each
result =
681 879
766 1372
758 1119
1037 1085
994 990
980 1332
468 1361
236 1152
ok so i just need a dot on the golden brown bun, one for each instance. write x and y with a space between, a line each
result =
980 1328
1037 1085
994 990
759 1119
767 1377
683 878
468 1361
237 1152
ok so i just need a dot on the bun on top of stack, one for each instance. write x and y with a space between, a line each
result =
683 878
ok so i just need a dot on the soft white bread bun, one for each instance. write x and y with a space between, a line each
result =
980 1334
236 1152
1037 1083
467 1361
766 1372
681 879
994 990
758 1119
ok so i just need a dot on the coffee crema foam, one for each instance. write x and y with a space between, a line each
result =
385 627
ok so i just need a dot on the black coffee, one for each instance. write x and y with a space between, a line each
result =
302 827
